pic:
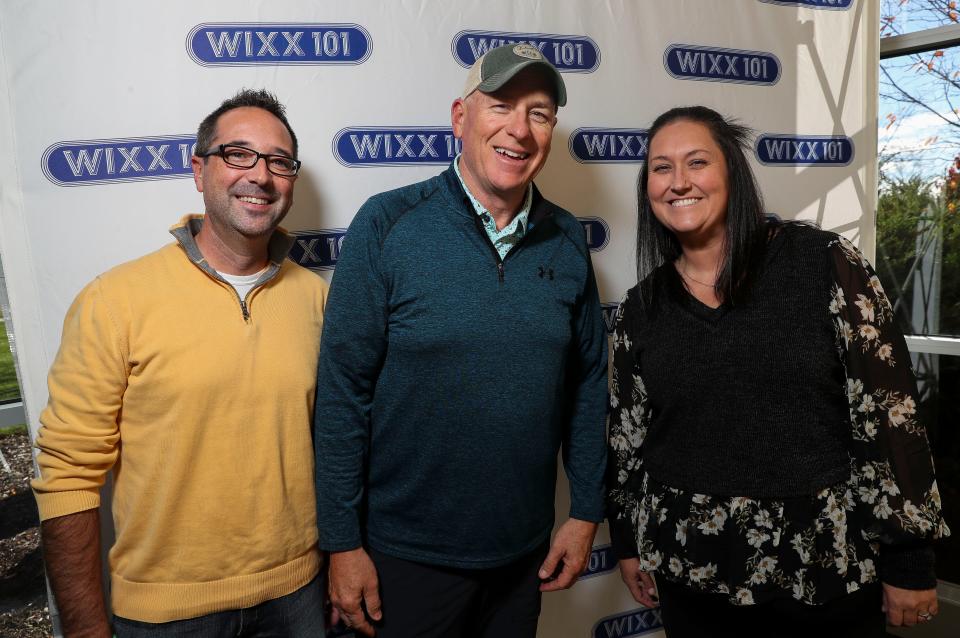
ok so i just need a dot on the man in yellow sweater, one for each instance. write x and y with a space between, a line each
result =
190 373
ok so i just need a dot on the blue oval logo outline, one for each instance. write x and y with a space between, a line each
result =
648 616
584 221
239 27
551 38
439 161
609 310
742 53
53 170
303 251
844 5
605 551
573 142
793 141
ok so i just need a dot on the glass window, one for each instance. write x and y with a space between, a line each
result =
918 221
938 380
898 17
918 229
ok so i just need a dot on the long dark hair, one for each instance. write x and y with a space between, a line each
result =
745 236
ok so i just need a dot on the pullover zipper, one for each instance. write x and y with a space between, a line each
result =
493 249
244 308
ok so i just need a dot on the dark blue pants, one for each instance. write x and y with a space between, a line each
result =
428 601
296 615
690 614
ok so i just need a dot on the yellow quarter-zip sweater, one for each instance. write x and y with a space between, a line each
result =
201 405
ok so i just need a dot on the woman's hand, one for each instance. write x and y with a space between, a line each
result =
905 606
640 583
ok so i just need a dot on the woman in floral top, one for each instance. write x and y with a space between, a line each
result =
766 460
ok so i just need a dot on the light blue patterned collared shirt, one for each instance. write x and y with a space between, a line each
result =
503 240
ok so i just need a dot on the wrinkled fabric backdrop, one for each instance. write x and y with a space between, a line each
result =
101 99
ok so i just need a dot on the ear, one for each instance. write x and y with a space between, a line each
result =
196 163
457 112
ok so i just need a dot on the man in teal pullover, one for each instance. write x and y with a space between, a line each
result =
463 347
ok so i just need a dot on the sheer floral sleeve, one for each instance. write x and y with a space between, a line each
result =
628 427
892 476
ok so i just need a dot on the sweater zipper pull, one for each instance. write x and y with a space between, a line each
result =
243 309
500 271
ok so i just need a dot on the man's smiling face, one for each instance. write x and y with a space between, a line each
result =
506 136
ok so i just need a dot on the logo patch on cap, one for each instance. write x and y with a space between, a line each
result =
527 51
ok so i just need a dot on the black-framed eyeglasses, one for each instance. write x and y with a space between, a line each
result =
243 157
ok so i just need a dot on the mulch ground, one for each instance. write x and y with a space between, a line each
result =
23 593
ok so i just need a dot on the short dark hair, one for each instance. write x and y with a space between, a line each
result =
745 236
257 98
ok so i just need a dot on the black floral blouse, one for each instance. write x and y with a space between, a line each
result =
814 548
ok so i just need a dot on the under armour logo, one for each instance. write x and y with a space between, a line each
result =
545 272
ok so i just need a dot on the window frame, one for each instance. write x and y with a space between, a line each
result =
896 46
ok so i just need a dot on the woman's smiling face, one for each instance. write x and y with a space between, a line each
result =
687 181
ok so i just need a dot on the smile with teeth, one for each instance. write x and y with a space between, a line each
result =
253 200
511 154
688 201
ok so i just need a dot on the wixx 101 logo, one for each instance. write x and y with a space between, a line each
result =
630 623
714 64
317 249
804 150
602 559
569 53
269 43
596 231
814 4
609 318
80 163
395 145
608 145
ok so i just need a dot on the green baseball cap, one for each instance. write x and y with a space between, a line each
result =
496 67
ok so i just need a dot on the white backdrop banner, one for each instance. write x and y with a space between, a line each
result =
101 100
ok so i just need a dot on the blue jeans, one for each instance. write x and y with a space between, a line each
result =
296 615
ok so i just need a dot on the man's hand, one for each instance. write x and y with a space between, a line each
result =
353 587
640 583
909 606
571 544
71 554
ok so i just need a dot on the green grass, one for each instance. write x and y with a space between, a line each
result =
9 389
13 429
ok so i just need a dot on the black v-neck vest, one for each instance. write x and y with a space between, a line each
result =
748 400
